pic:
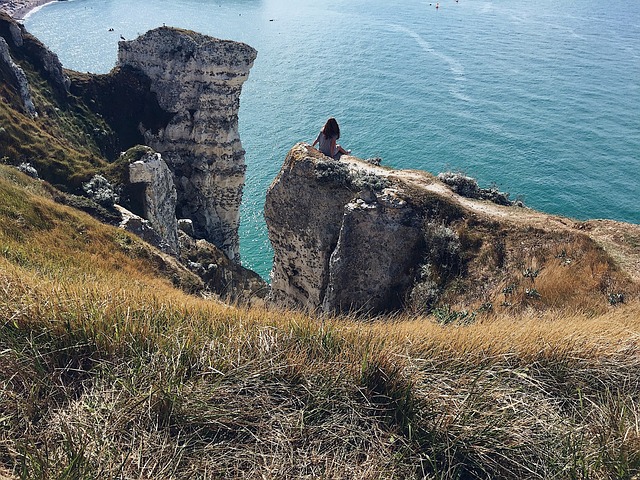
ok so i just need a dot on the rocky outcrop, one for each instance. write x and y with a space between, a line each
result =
332 225
43 59
158 197
352 236
222 277
215 274
17 77
139 226
198 79
16 34
51 64
151 194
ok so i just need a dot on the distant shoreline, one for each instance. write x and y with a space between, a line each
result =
20 9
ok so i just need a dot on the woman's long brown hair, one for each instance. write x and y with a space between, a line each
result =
331 128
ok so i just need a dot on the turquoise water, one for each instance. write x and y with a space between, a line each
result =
541 98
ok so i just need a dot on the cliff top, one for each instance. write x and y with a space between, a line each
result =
621 240
351 235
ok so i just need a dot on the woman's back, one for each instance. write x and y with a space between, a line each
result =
325 144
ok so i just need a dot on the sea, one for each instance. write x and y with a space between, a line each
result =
540 99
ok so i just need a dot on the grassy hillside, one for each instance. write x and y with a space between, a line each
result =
76 133
110 368
60 142
108 371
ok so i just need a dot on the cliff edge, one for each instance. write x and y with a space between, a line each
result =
351 236
175 90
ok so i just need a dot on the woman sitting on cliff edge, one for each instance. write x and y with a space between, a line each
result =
327 138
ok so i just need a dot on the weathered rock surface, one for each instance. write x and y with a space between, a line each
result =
198 79
376 276
351 236
227 279
51 64
17 76
16 35
139 226
158 197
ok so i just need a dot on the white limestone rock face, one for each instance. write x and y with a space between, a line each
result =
51 64
372 265
334 250
158 198
18 76
198 79
303 215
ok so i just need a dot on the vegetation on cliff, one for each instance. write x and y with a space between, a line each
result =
77 133
379 240
108 371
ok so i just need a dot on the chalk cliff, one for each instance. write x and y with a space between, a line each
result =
175 90
348 235
158 196
197 79
330 235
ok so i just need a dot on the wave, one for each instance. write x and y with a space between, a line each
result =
455 67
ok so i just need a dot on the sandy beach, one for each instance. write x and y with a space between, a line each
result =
19 9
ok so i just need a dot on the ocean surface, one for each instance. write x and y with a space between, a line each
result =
539 98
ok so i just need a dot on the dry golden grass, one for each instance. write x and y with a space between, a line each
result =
108 371
575 276
526 334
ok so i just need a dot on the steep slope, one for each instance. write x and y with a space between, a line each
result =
55 242
107 371
60 135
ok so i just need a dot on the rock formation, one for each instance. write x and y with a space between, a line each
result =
139 226
158 197
42 58
17 76
351 236
151 195
318 219
198 79
221 276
